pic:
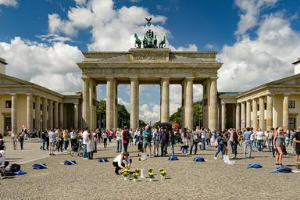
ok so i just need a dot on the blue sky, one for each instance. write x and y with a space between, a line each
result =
257 40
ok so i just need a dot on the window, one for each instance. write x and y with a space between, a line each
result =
292 123
291 103
7 104
7 123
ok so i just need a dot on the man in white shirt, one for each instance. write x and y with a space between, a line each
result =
85 142
122 161
52 141
260 140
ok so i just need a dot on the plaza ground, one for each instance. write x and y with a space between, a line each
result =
187 180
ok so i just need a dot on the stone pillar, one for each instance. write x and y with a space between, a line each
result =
261 114
285 112
85 103
109 103
51 114
115 104
61 115
14 113
91 125
269 112
223 118
248 113
213 108
243 115
238 116
254 113
76 111
56 114
138 106
189 111
183 86
165 85
134 86
29 109
45 114
37 113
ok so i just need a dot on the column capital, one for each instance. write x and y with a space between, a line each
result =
214 78
134 78
28 94
286 94
13 94
189 78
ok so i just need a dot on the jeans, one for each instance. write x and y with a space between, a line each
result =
21 144
248 148
85 154
43 144
203 143
196 147
234 148
119 145
156 148
125 147
164 146
220 149
260 145
66 144
105 142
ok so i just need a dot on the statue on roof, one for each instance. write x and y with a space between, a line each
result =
150 39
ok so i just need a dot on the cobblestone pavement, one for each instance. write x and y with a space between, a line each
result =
187 180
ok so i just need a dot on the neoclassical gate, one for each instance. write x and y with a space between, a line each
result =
155 66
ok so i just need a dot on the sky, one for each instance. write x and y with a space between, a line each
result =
256 40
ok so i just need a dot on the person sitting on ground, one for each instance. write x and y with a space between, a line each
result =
2 145
122 161
3 163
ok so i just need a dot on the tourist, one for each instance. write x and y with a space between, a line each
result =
220 145
203 137
248 142
195 138
207 136
14 140
296 140
90 145
260 140
279 143
125 138
164 140
156 141
3 162
21 140
231 131
226 138
105 136
119 140
235 143
185 145
66 138
136 136
2 145
73 136
147 136
131 132
52 141
95 138
85 142
43 141
59 140
122 161
47 140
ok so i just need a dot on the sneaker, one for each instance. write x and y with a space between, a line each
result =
215 158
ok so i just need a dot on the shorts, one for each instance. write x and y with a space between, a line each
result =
146 144
297 150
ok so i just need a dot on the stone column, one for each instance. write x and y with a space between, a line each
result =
45 114
56 114
165 84
109 103
134 86
243 115
254 113
85 103
138 106
115 104
269 112
37 113
248 113
189 111
285 112
61 115
238 116
29 109
223 107
91 104
213 108
51 114
183 86
76 111
14 122
261 114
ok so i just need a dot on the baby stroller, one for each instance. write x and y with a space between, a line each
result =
77 148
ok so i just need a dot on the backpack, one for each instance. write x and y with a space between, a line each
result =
282 169
15 167
199 159
103 159
40 166
173 158
254 166
70 162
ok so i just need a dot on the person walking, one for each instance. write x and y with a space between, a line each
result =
164 140
147 140
220 146
235 143
14 140
203 137
248 142
43 137
279 142
195 138
105 136
21 138
119 140
125 138
66 139
52 140
296 140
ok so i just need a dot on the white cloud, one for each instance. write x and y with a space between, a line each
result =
80 2
250 11
53 67
209 46
254 61
150 113
125 103
190 47
13 3
52 38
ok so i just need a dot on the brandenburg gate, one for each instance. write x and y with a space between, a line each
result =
150 65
